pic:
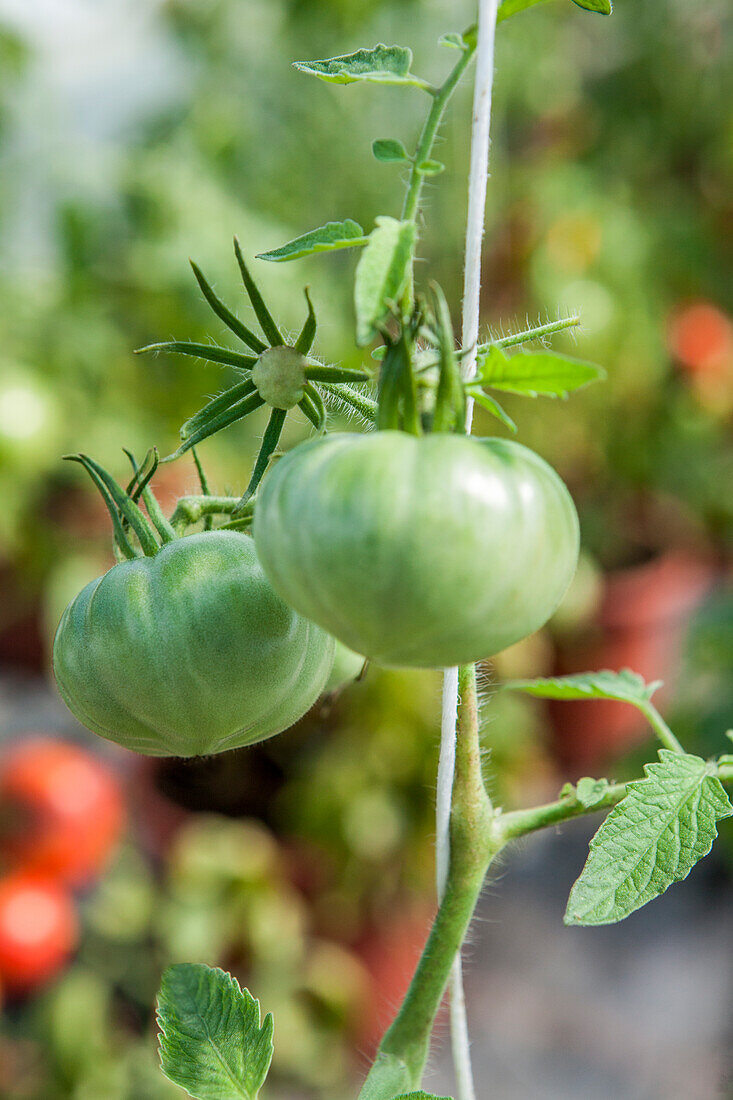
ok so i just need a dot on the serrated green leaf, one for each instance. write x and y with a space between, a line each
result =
381 274
430 168
211 1041
486 401
589 792
513 7
625 686
531 373
379 65
653 838
327 238
390 151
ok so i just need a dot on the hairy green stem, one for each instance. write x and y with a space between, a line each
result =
360 402
429 133
536 332
660 727
518 823
191 509
473 846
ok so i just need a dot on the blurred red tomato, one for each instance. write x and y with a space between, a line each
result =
700 336
38 930
390 955
62 810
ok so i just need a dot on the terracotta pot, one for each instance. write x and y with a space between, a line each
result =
642 622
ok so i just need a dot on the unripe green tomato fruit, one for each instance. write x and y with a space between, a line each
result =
279 375
347 667
189 652
423 552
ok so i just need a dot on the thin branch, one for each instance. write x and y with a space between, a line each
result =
660 727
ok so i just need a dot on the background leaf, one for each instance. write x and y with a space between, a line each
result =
380 65
327 238
211 1041
381 274
625 686
532 373
654 837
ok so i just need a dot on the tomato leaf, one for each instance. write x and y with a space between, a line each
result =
487 402
211 1041
513 7
327 238
603 7
381 274
532 373
390 151
625 686
450 402
653 838
380 65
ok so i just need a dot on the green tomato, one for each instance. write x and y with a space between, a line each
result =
347 667
188 652
424 552
279 375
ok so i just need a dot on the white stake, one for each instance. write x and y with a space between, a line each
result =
475 220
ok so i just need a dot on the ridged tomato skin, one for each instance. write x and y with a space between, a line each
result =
420 552
189 652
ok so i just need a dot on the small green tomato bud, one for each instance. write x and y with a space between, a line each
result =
279 375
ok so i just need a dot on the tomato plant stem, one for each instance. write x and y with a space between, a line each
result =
190 509
534 332
473 846
429 131
660 727
518 823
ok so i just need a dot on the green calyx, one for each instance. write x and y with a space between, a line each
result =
280 376
137 534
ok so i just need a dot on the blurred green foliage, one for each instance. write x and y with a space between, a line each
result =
141 141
